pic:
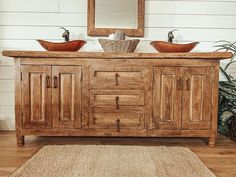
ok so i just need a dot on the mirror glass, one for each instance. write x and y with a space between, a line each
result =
116 14
107 16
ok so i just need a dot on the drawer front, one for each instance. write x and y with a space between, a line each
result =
117 78
117 98
107 118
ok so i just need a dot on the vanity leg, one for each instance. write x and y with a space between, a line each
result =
20 140
212 141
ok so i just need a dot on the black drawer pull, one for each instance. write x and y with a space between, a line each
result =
118 125
47 81
117 75
117 102
55 79
187 84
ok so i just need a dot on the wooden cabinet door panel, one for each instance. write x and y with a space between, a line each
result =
106 118
167 98
36 96
197 94
117 98
66 96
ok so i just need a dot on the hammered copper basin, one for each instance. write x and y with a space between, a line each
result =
62 46
167 47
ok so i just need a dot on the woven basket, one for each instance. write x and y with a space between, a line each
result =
124 46
232 128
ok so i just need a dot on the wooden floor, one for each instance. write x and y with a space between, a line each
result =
221 160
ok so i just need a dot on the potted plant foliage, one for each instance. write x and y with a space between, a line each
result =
227 94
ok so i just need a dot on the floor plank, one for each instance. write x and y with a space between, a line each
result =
221 159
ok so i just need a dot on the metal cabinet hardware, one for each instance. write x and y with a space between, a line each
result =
117 75
95 74
117 102
118 125
55 82
47 81
187 84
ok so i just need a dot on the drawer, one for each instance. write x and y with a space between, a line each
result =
107 118
117 98
117 78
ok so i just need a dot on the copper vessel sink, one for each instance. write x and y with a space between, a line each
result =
62 46
167 47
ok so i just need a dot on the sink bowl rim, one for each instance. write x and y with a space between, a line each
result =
167 47
175 44
64 42
48 45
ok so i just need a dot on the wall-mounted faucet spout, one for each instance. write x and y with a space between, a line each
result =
66 34
171 35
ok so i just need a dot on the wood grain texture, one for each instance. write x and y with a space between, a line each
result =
117 98
167 98
66 96
97 55
36 96
18 104
197 98
106 118
215 97
116 95
116 77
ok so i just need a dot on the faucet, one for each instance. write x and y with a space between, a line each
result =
171 35
66 34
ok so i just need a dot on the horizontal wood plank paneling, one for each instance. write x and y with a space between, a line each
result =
191 7
7 73
7 110
7 117
38 32
42 19
21 22
190 21
7 86
73 6
164 7
54 33
7 99
151 20
29 6
6 61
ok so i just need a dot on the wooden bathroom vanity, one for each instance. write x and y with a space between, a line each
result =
122 95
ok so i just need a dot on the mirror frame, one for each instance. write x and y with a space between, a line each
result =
93 31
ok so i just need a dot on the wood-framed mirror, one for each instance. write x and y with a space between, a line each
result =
107 16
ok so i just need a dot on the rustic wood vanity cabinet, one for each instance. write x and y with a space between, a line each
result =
102 94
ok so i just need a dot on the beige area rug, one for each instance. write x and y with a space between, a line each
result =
113 161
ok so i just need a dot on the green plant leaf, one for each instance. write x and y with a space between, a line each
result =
231 62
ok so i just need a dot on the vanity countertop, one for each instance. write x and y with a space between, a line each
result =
103 55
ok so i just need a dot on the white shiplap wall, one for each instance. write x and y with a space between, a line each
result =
21 22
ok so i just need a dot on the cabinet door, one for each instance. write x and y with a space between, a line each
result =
66 96
36 96
167 88
197 94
